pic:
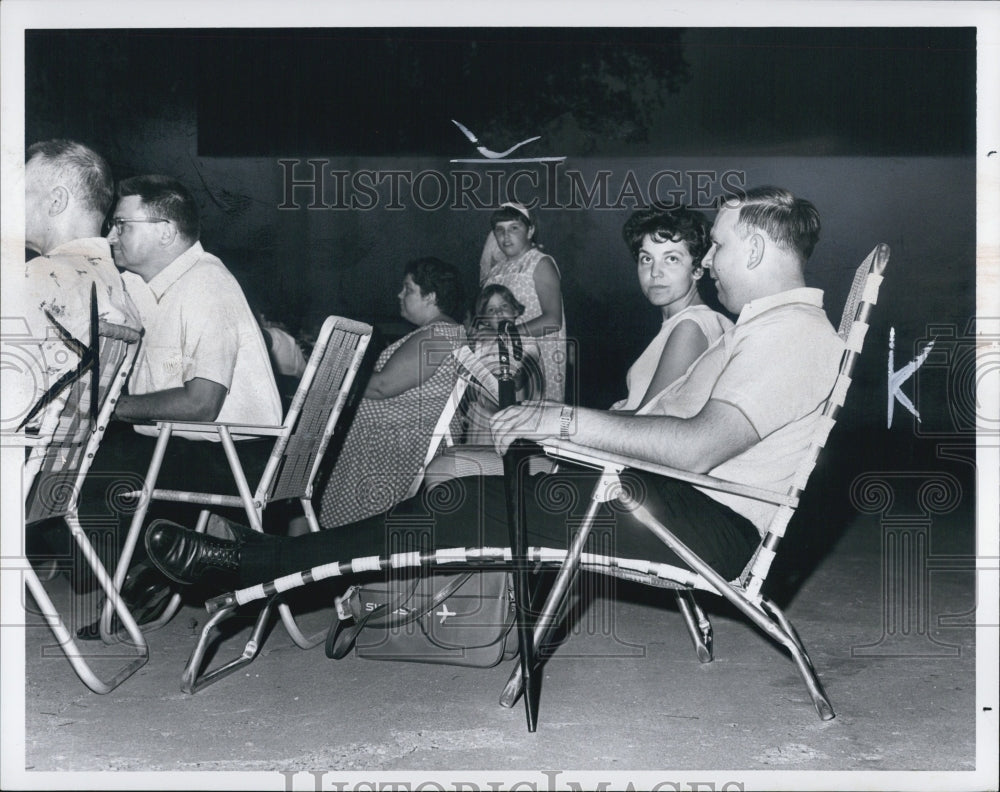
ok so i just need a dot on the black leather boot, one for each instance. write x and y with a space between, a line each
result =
186 556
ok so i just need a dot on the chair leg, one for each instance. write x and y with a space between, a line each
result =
299 638
698 624
132 538
820 700
767 616
191 682
310 513
115 605
515 464
70 648
287 619
554 603
253 510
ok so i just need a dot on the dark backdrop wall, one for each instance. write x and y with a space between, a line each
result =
300 259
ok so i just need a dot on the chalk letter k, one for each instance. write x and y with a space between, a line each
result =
897 378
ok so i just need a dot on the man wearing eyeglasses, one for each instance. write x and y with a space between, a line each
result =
203 358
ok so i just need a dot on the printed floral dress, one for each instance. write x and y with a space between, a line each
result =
387 440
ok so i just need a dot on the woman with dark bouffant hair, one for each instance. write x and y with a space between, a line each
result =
413 378
668 246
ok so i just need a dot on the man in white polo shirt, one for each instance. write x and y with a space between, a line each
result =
203 356
743 411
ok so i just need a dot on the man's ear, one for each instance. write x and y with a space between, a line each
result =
531 232
757 245
58 200
168 234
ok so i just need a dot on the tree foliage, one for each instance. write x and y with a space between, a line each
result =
511 83
358 91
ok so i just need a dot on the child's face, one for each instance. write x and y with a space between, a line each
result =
498 309
513 237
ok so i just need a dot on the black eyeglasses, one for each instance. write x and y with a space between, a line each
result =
118 223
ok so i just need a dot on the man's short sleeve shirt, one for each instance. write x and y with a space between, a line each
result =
776 366
198 324
58 283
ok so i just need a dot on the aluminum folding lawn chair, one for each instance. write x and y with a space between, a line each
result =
299 444
191 681
445 429
71 429
442 432
745 592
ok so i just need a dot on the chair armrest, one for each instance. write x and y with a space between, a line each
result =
593 457
212 427
19 439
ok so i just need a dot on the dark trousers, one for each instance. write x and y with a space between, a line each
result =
120 466
472 512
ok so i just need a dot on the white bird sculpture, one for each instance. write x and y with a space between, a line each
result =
487 152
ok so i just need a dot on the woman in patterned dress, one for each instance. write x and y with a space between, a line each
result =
413 378
512 258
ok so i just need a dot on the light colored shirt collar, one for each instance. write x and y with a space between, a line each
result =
175 270
85 246
803 294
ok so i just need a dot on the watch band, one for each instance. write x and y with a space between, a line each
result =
565 421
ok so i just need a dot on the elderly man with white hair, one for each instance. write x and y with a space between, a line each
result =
68 191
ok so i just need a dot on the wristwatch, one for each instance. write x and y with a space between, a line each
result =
565 420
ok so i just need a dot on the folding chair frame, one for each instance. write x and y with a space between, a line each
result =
118 349
441 434
192 682
300 443
745 592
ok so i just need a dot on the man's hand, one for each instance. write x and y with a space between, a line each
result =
531 420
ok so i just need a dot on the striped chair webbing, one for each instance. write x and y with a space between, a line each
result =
757 569
308 435
864 288
852 331
854 295
60 462
458 557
